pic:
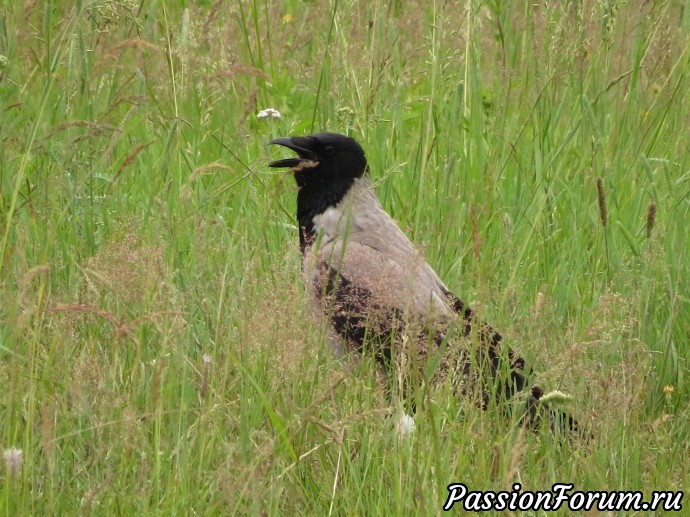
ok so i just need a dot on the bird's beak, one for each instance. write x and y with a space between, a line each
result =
306 156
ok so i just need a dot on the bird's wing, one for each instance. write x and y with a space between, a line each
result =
360 241
375 278
378 272
403 281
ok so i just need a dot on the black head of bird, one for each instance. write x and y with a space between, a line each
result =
325 158
325 169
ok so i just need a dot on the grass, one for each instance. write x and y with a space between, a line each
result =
156 352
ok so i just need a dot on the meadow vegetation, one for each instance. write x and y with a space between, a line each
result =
156 352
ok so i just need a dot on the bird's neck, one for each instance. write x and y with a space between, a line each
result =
314 199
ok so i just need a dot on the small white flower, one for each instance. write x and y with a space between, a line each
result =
207 359
405 425
268 113
13 461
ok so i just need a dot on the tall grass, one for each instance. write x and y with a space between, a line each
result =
156 352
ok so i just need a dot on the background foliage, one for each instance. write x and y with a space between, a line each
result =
156 355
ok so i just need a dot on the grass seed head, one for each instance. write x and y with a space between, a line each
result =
651 218
601 198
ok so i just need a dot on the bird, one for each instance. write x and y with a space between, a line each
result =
381 297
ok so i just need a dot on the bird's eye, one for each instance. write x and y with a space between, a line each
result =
329 149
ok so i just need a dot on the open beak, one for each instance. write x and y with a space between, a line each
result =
305 155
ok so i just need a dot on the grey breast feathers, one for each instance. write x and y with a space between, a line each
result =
362 244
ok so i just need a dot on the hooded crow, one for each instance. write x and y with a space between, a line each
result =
379 294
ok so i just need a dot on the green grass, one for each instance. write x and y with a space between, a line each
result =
156 352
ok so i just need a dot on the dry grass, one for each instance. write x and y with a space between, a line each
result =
608 366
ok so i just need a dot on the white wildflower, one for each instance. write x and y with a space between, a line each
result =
13 461
405 425
268 113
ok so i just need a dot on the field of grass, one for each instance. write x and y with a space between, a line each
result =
156 352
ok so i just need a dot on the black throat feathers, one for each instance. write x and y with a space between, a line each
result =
314 198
